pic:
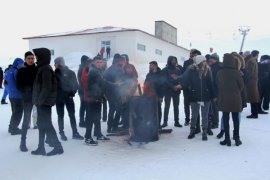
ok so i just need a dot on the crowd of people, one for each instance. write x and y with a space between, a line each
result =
208 85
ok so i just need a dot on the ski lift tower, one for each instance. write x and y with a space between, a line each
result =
243 30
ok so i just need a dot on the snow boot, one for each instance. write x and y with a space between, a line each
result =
63 136
177 124
76 135
57 150
220 134
165 124
39 151
191 134
204 135
23 147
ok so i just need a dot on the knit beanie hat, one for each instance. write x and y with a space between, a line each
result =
198 59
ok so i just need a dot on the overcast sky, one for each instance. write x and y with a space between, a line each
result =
204 23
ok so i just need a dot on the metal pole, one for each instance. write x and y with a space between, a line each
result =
243 30
243 41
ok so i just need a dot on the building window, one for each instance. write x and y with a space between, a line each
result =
52 52
105 43
158 52
141 47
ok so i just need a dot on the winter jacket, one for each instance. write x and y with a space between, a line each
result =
187 63
10 78
45 84
25 80
264 72
230 85
169 71
154 84
79 74
214 69
95 85
67 84
130 80
252 90
200 89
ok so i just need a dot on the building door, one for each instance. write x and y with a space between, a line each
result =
107 48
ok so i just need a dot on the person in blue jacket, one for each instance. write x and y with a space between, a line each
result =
15 97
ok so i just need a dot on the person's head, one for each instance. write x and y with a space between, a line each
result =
125 56
59 62
255 54
195 52
97 62
43 56
118 60
200 60
264 57
153 65
84 59
245 54
214 58
240 60
172 61
104 64
29 58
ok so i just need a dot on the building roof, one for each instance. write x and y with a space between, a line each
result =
106 29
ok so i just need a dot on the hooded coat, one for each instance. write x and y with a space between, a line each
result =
229 85
252 90
10 78
45 84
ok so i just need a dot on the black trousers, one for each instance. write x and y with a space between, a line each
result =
214 107
104 109
114 115
17 113
82 110
27 110
125 114
45 126
70 106
186 105
176 100
254 108
93 116
226 118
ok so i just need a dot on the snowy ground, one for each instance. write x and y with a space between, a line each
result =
172 157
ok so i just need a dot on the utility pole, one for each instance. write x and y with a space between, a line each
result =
243 30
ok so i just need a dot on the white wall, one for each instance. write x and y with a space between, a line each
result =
152 44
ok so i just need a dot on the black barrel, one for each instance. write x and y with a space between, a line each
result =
144 119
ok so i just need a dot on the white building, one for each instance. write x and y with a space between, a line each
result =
140 46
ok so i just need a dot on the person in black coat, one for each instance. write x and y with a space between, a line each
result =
264 85
215 66
154 85
67 87
115 73
187 63
44 97
95 92
25 80
83 64
172 72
